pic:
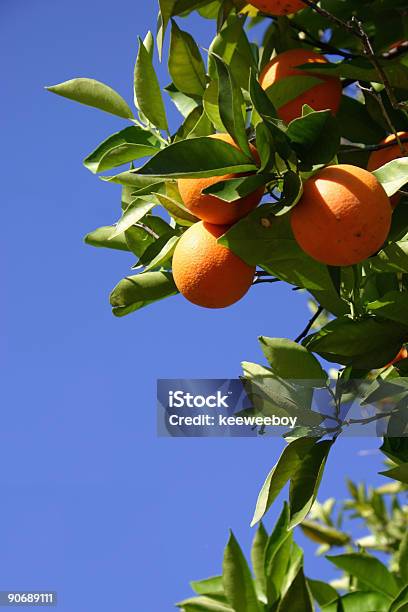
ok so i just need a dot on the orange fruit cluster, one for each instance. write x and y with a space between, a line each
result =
207 273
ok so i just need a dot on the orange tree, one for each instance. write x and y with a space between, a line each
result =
289 165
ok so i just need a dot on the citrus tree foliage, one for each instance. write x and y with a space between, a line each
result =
280 581
361 320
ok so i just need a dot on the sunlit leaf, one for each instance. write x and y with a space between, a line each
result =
135 292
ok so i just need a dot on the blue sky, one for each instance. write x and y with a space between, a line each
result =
93 504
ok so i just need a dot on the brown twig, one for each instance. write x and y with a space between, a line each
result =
355 27
310 324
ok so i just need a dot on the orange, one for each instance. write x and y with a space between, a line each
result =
207 273
383 156
210 208
323 96
343 217
278 7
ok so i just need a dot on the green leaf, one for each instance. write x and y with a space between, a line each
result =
195 125
324 534
135 292
290 460
203 604
297 598
396 449
265 240
315 137
148 96
368 570
289 88
361 70
258 559
139 238
364 343
393 175
292 191
237 579
124 146
159 253
306 480
400 603
322 592
356 124
359 601
197 157
93 93
232 45
208 586
291 360
184 104
167 8
400 473
392 258
186 65
176 210
234 189
211 107
230 102
277 556
134 213
393 305
101 237
130 179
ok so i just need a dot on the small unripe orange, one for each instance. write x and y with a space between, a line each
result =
207 273
323 96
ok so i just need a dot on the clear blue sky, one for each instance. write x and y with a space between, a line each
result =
93 504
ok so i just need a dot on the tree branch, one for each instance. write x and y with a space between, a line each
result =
310 324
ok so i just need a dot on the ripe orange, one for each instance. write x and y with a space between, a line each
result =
210 208
207 273
324 95
278 7
383 156
343 217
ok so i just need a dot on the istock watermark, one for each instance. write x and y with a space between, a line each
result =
268 405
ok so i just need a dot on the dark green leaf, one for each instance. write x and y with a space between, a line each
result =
197 157
135 292
277 556
364 343
305 481
403 558
315 137
177 210
93 93
236 188
289 88
159 253
184 104
396 449
356 124
400 473
297 598
167 8
230 102
124 146
393 306
400 603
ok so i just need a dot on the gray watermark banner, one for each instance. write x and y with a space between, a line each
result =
269 405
